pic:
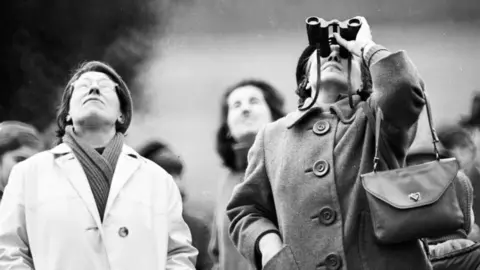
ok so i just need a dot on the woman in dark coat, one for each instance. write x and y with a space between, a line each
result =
302 204
246 107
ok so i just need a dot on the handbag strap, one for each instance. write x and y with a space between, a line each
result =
375 126
435 139
375 123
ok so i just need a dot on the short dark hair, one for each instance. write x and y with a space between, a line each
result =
163 156
122 91
224 142
14 135
302 77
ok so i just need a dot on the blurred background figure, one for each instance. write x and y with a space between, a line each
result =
245 108
459 139
18 141
457 250
471 124
163 156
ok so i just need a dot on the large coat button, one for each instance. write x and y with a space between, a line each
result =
321 127
327 215
333 261
320 168
123 232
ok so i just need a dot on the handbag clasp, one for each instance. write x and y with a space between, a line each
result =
414 196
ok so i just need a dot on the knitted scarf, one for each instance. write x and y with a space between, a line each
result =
98 168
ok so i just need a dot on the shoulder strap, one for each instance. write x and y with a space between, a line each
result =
375 126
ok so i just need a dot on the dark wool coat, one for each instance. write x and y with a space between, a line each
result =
303 179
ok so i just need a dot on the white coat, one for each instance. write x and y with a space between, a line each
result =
49 219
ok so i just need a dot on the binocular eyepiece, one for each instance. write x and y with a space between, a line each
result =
321 32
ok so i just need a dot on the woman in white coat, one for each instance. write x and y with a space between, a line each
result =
92 202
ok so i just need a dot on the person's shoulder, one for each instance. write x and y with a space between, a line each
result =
33 165
277 126
153 167
146 165
39 158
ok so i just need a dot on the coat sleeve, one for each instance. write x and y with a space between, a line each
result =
251 209
181 253
397 89
14 247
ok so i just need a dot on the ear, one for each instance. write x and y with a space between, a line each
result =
121 119
308 86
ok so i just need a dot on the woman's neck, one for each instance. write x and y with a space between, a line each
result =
94 136
329 94
241 151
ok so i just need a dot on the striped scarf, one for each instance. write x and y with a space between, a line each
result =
98 168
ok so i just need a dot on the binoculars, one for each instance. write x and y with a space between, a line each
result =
320 33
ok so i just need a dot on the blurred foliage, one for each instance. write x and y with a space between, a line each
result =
44 40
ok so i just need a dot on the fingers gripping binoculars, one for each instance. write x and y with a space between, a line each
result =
320 33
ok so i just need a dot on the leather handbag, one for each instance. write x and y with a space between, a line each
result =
412 202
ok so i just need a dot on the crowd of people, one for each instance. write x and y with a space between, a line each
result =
293 196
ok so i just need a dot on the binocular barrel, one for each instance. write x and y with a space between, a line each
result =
320 33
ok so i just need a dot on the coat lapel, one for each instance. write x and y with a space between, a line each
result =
127 164
71 167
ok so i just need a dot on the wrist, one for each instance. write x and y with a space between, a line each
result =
374 51
268 241
365 49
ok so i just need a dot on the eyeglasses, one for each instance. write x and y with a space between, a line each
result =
103 85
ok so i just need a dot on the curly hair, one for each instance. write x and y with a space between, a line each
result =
224 142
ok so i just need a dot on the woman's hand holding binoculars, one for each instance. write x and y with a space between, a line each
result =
361 43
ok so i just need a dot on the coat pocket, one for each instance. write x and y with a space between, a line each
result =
283 260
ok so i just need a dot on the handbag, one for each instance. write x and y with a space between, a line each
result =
411 202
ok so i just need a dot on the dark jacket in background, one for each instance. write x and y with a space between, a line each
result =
200 236
458 254
303 180
474 176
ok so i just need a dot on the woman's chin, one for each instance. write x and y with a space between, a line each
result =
334 78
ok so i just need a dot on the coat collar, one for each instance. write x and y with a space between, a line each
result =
341 109
63 149
128 162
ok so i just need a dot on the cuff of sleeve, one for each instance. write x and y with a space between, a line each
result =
258 254
372 52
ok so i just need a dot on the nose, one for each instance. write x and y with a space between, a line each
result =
246 109
334 54
94 90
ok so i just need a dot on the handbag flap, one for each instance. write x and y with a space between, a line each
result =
412 186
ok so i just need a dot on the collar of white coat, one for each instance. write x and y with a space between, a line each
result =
63 149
